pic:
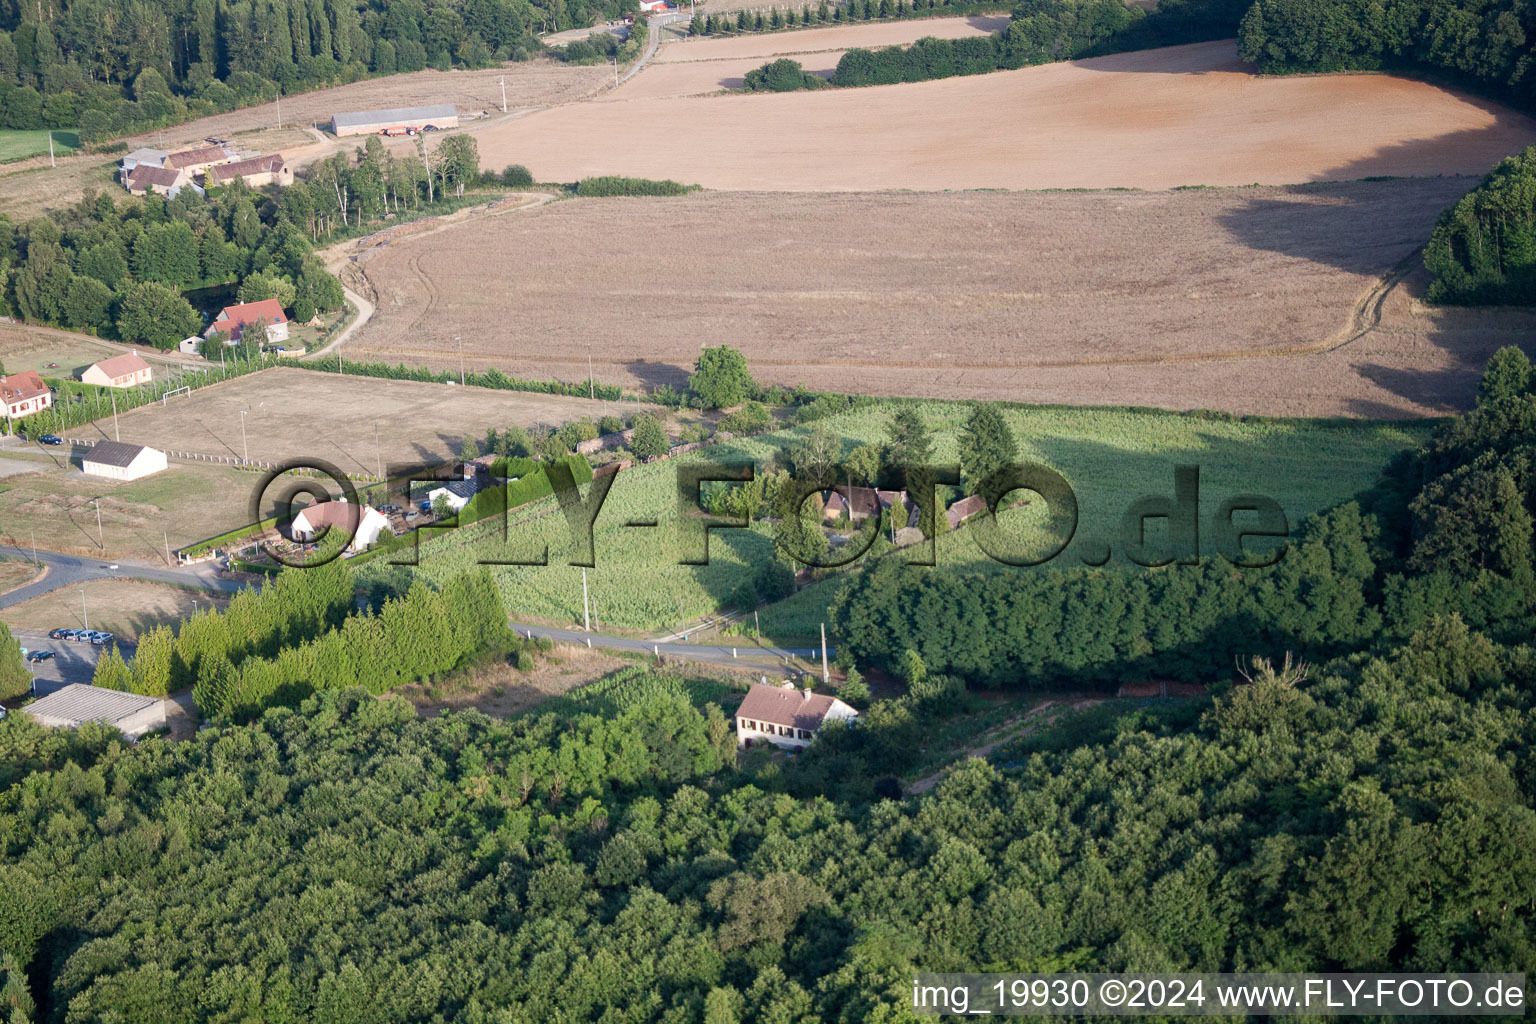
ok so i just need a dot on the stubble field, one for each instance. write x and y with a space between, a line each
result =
1225 298
1156 119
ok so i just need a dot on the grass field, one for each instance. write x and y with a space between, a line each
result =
187 503
127 608
1111 457
18 145
356 423
1074 297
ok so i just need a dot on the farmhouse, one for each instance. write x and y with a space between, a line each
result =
363 522
167 181
130 713
118 460
255 172
786 717
396 119
124 371
233 320
24 393
964 509
194 161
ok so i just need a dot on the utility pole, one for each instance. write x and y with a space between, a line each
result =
824 678
34 545
85 617
586 614
101 537
118 434
459 342
503 95
378 454
279 106
168 562
243 445
591 387
50 149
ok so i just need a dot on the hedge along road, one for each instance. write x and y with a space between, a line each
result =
64 570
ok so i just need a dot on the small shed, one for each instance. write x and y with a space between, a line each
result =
118 460
131 714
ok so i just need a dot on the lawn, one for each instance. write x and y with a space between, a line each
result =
1110 457
51 353
19 145
127 608
57 509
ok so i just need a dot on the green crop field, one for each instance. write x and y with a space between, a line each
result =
18 145
1110 457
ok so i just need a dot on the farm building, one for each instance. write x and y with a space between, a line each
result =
964 509
190 346
364 522
130 713
785 716
166 181
124 371
456 492
24 393
194 161
373 122
256 172
148 157
118 460
233 320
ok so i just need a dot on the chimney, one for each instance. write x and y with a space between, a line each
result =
805 694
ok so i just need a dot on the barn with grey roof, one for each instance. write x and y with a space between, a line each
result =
130 713
372 122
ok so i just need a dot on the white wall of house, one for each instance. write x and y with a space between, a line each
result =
454 501
94 375
28 406
148 461
779 735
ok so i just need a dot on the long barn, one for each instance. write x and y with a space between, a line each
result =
371 122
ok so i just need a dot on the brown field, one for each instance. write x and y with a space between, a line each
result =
128 608
501 690
1206 298
811 40
1185 115
293 413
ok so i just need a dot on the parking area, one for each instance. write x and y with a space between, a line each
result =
71 662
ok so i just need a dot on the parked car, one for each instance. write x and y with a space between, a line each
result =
389 510
50 439
82 636
59 634
429 128
102 639
425 506
39 655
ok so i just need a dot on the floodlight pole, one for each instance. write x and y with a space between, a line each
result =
243 444
586 613
118 434
101 536
824 677
167 535
378 454
84 615
503 95
50 149
458 340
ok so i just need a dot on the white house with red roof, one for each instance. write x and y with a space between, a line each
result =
785 716
364 522
24 393
124 371
232 321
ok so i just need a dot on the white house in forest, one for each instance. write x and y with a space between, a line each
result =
786 716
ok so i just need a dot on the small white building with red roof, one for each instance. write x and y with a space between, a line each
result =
786 716
267 314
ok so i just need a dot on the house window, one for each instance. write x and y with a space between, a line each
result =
805 734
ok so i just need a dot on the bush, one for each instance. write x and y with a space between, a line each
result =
516 176
650 440
612 185
782 75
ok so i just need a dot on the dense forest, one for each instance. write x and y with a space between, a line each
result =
119 269
1483 250
113 68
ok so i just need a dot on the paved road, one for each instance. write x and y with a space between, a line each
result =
64 570
748 655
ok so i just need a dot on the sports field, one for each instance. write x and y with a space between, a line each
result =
357 424
19 144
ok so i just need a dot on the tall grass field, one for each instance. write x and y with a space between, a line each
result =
1110 457
19 145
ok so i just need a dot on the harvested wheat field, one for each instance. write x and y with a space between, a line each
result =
697 66
1095 297
1184 115
292 413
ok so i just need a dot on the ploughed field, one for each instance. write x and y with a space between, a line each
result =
1184 115
1255 300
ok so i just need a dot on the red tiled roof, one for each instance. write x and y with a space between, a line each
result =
270 164
18 387
122 366
143 176
197 157
343 514
785 707
963 509
267 311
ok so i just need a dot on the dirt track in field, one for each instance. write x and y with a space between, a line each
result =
1238 299
1186 115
